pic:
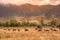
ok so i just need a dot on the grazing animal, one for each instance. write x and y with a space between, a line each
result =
18 29
36 28
54 30
46 30
14 29
8 29
51 28
26 29
39 30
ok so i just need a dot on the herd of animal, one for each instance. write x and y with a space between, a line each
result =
38 29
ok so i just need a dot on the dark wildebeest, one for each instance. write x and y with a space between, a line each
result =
18 29
26 29
9 29
14 29
53 29
47 29
36 28
39 29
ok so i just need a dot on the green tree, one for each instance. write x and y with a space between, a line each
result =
39 26
6 24
13 23
58 26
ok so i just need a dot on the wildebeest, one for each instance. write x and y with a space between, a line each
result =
39 29
26 29
9 29
36 28
53 29
18 29
47 29
14 29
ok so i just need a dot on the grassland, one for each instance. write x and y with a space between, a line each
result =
31 34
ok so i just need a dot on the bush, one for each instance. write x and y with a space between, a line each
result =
28 24
58 26
53 23
6 24
39 26
32 24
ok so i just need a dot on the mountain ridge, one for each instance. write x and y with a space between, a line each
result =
28 10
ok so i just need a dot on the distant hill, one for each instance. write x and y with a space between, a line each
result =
28 10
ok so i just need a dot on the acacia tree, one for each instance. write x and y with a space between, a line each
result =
42 19
53 21
13 23
6 24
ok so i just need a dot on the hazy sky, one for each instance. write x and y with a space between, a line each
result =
35 2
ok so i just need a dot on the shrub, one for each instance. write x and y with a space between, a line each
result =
58 26
39 26
6 24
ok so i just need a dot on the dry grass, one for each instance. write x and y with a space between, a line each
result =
32 34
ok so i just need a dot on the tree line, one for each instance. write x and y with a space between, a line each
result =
14 23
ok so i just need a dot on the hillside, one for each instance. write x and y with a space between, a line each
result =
27 10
